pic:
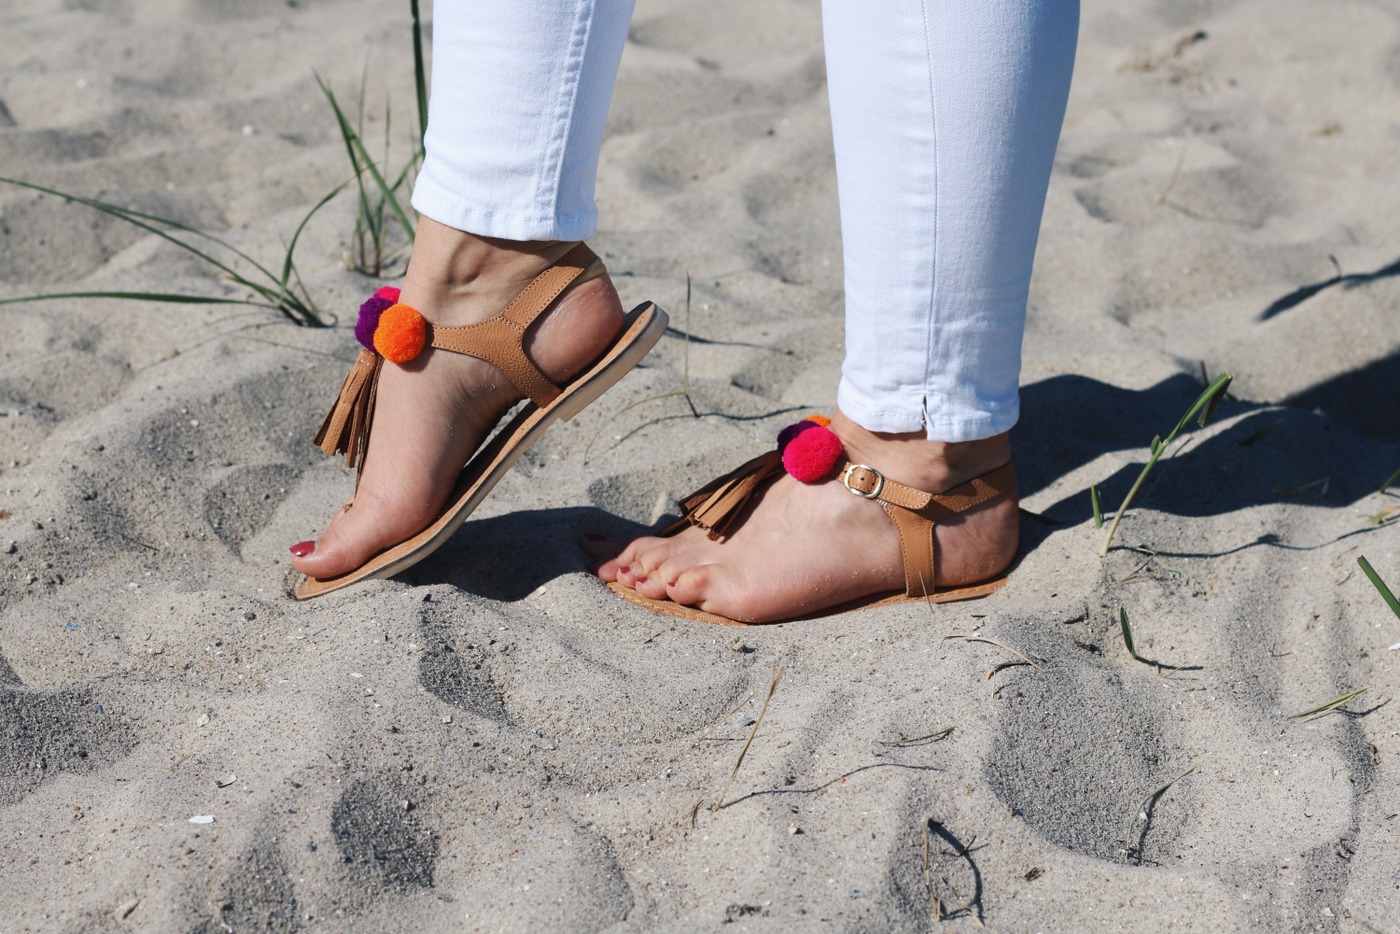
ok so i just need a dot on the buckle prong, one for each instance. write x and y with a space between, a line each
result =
879 480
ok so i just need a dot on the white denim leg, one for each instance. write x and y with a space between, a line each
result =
520 94
946 114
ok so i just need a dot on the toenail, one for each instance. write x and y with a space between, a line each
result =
673 583
624 570
641 580
595 536
302 549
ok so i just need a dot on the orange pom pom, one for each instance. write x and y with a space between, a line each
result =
821 420
401 334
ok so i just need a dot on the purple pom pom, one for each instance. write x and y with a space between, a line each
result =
369 320
792 431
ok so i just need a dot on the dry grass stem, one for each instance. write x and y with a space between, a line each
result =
1000 665
725 716
935 907
999 644
926 739
772 686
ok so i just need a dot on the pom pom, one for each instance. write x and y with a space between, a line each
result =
369 320
401 334
792 431
388 292
812 453
796 428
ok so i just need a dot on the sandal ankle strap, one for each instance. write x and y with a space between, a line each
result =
500 341
915 512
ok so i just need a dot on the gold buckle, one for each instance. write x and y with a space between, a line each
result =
879 480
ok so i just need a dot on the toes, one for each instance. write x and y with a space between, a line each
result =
653 586
690 586
334 552
621 568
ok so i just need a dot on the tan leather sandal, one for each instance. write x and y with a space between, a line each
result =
398 333
718 505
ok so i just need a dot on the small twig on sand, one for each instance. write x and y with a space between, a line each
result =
997 642
772 686
927 738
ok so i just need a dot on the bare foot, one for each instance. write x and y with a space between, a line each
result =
432 413
804 547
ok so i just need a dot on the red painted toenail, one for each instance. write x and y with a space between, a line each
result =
641 580
595 536
624 570
673 583
302 549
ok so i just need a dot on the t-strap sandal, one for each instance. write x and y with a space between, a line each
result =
812 453
395 332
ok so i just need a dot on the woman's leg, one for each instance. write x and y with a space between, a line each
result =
946 114
520 95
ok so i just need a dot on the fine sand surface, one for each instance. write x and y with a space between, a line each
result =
493 741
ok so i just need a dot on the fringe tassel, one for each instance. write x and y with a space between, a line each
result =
715 506
346 428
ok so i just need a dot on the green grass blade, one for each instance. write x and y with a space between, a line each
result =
1204 406
287 265
356 147
1379 584
1330 706
169 297
1127 633
148 223
420 78
1390 481
347 135
1098 508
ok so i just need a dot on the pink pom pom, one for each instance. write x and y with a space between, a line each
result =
388 292
812 453
796 428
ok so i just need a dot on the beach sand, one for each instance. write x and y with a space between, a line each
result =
493 741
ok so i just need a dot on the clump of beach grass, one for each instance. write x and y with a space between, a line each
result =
379 204
378 201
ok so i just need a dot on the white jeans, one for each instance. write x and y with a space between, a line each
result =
945 115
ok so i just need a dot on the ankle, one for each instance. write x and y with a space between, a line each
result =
457 278
910 458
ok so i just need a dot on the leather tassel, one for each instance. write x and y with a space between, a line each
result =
346 429
717 505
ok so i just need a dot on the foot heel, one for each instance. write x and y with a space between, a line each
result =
648 322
